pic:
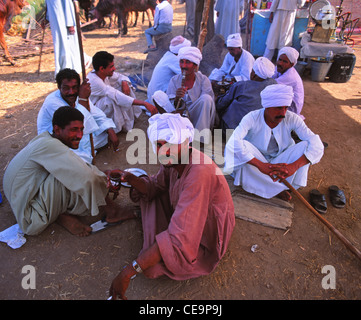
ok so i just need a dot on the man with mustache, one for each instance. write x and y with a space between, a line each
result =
261 152
46 182
73 94
187 208
195 91
288 75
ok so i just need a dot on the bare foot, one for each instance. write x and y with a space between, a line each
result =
73 225
285 196
115 213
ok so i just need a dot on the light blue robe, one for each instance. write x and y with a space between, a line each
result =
61 14
166 68
228 20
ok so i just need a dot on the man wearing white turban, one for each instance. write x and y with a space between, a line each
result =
245 96
196 91
261 152
237 64
167 67
282 18
288 75
187 209
161 101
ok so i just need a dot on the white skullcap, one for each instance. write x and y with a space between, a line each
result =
276 95
264 68
190 53
291 53
169 127
161 98
177 43
234 40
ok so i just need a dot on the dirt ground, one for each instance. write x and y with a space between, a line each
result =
288 265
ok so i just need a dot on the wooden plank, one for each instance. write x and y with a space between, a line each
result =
274 213
266 214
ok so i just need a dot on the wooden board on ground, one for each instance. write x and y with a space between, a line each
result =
274 212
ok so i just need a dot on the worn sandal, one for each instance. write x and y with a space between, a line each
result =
318 201
337 197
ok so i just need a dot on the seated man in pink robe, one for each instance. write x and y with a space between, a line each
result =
187 208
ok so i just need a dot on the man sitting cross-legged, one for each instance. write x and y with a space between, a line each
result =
47 182
261 151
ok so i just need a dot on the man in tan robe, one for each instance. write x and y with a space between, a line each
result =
47 182
187 208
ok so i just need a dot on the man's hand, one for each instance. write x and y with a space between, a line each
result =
85 90
152 109
271 17
113 139
281 171
120 283
181 92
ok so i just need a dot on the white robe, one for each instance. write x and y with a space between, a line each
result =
199 102
228 20
251 139
281 31
107 96
292 78
95 122
61 14
240 70
166 68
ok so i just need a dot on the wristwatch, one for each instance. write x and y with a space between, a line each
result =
137 267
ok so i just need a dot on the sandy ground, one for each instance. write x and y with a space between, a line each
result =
288 265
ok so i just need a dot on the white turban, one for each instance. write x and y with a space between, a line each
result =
161 98
234 40
169 127
291 53
177 43
190 53
276 95
264 68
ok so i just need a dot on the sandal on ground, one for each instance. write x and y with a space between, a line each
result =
337 197
318 201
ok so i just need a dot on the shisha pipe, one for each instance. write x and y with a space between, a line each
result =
182 85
